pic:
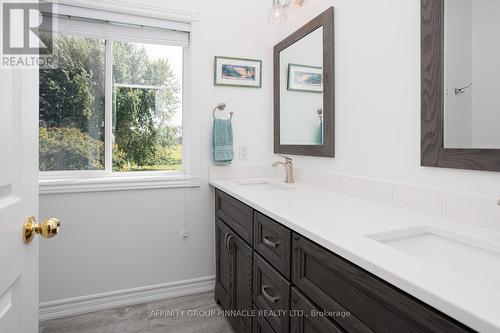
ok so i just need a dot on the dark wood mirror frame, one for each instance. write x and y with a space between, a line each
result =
433 153
324 20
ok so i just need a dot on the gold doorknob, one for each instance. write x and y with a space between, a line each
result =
47 229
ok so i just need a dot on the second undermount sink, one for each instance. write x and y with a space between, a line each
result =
264 185
470 257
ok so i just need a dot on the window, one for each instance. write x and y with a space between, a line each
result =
112 104
72 104
147 108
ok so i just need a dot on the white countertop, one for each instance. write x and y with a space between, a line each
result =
341 224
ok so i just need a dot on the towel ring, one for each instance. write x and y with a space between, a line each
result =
221 107
320 113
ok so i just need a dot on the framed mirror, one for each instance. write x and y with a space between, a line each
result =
460 126
304 90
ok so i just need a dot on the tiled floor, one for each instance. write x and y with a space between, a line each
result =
151 317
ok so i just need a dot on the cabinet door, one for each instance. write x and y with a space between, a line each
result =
305 318
241 276
224 266
260 324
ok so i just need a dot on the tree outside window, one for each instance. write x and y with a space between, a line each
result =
146 107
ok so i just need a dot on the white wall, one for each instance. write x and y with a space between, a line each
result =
458 74
486 73
377 50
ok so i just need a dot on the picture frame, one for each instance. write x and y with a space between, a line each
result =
305 78
237 72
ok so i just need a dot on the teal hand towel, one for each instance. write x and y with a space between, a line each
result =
223 140
319 135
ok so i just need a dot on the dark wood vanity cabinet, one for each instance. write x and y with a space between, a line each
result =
271 292
233 286
235 214
224 267
336 285
272 241
308 324
305 286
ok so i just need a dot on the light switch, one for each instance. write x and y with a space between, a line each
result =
243 153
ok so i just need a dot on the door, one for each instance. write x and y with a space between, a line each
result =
224 266
241 277
18 200
233 277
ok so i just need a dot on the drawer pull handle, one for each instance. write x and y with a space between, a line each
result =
269 297
269 243
229 248
225 241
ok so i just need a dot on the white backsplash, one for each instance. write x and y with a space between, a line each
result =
483 212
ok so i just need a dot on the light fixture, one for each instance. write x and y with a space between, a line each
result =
277 14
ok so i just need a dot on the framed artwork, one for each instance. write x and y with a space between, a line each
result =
237 72
305 78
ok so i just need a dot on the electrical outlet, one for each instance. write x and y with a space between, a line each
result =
185 234
243 153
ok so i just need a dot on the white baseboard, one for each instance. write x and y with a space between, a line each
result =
85 304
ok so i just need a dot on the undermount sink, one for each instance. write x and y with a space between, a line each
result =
264 185
472 258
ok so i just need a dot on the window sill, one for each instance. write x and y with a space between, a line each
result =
115 183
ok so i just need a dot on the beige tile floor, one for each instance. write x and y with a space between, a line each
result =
141 318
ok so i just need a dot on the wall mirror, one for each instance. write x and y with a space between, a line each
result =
304 90
460 84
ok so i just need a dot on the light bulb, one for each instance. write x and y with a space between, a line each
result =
277 14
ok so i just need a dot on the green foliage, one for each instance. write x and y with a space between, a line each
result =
120 162
139 131
170 159
135 130
132 65
72 95
72 103
69 149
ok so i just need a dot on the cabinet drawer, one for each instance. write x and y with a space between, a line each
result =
305 317
260 324
271 292
335 284
236 214
273 242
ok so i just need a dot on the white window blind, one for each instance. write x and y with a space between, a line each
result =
124 27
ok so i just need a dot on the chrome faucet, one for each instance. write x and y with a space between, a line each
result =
288 164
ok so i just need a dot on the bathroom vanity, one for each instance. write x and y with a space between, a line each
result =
262 264
300 258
